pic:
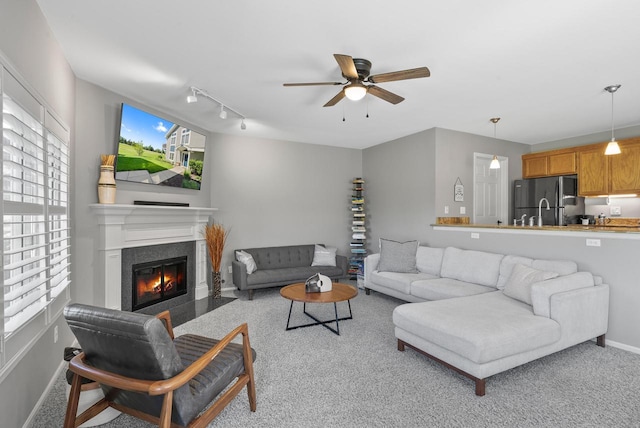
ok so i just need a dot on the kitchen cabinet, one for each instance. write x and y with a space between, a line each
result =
624 169
549 163
593 171
599 174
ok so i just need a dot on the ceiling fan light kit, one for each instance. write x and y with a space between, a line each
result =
224 109
612 148
356 71
355 91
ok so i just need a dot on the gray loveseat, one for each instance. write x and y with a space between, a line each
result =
482 313
285 265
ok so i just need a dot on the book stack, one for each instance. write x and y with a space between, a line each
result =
358 233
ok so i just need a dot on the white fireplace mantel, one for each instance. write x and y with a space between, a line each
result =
128 226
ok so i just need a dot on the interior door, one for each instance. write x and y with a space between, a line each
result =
490 195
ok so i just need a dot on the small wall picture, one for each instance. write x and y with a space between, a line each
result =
458 191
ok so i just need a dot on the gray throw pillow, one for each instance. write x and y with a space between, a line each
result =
398 256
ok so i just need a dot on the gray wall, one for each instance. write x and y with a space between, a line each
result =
411 179
26 44
272 192
454 158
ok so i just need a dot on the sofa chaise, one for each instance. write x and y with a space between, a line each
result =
482 313
276 266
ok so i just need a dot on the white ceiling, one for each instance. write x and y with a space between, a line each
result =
539 65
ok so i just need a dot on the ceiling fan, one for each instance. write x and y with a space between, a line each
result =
356 71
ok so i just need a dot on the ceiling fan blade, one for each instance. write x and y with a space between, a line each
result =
347 66
377 91
313 84
413 73
333 101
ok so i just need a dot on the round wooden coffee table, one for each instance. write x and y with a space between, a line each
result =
339 293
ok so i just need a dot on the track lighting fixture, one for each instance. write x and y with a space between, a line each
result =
495 163
612 148
224 109
192 98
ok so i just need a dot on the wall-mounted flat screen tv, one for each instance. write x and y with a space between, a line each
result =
153 150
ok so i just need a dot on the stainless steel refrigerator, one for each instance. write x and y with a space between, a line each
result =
566 207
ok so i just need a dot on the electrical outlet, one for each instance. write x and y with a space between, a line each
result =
463 210
446 209
475 235
230 269
55 334
615 210
593 242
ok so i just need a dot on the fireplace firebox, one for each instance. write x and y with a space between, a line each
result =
157 281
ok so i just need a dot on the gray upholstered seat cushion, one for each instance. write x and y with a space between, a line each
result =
478 267
290 275
481 328
398 281
446 288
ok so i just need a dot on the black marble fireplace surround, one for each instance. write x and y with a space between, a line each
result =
139 255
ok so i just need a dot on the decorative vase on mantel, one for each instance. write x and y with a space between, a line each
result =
107 181
217 285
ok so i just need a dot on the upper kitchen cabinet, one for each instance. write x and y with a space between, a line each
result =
549 163
624 169
593 171
599 174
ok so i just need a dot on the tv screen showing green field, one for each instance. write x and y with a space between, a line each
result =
153 150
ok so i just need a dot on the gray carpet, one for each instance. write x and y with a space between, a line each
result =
312 378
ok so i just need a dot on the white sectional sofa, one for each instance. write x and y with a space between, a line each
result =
482 313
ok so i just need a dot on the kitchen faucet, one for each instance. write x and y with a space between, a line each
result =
540 210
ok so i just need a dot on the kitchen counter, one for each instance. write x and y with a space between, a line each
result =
576 230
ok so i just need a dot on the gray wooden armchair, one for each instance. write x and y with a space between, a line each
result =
145 372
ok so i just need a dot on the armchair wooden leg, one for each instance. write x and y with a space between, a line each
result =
72 405
165 413
248 369
600 340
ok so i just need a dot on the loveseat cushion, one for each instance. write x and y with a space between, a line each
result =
290 275
477 267
446 288
429 260
398 281
562 267
481 328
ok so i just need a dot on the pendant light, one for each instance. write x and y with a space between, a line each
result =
495 163
612 148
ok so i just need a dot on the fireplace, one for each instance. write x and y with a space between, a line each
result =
157 281
158 277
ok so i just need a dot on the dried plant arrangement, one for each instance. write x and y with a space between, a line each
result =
107 160
216 236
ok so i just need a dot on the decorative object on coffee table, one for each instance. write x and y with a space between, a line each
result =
107 181
216 236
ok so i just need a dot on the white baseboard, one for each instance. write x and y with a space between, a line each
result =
622 346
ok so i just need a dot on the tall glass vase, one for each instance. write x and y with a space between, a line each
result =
217 285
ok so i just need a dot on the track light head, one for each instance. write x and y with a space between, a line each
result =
192 98
243 125
223 112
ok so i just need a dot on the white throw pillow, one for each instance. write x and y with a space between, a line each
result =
247 259
518 285
324 256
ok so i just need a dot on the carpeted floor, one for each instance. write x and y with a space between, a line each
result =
310 377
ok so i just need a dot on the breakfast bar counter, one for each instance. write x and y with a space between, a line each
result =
577 230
